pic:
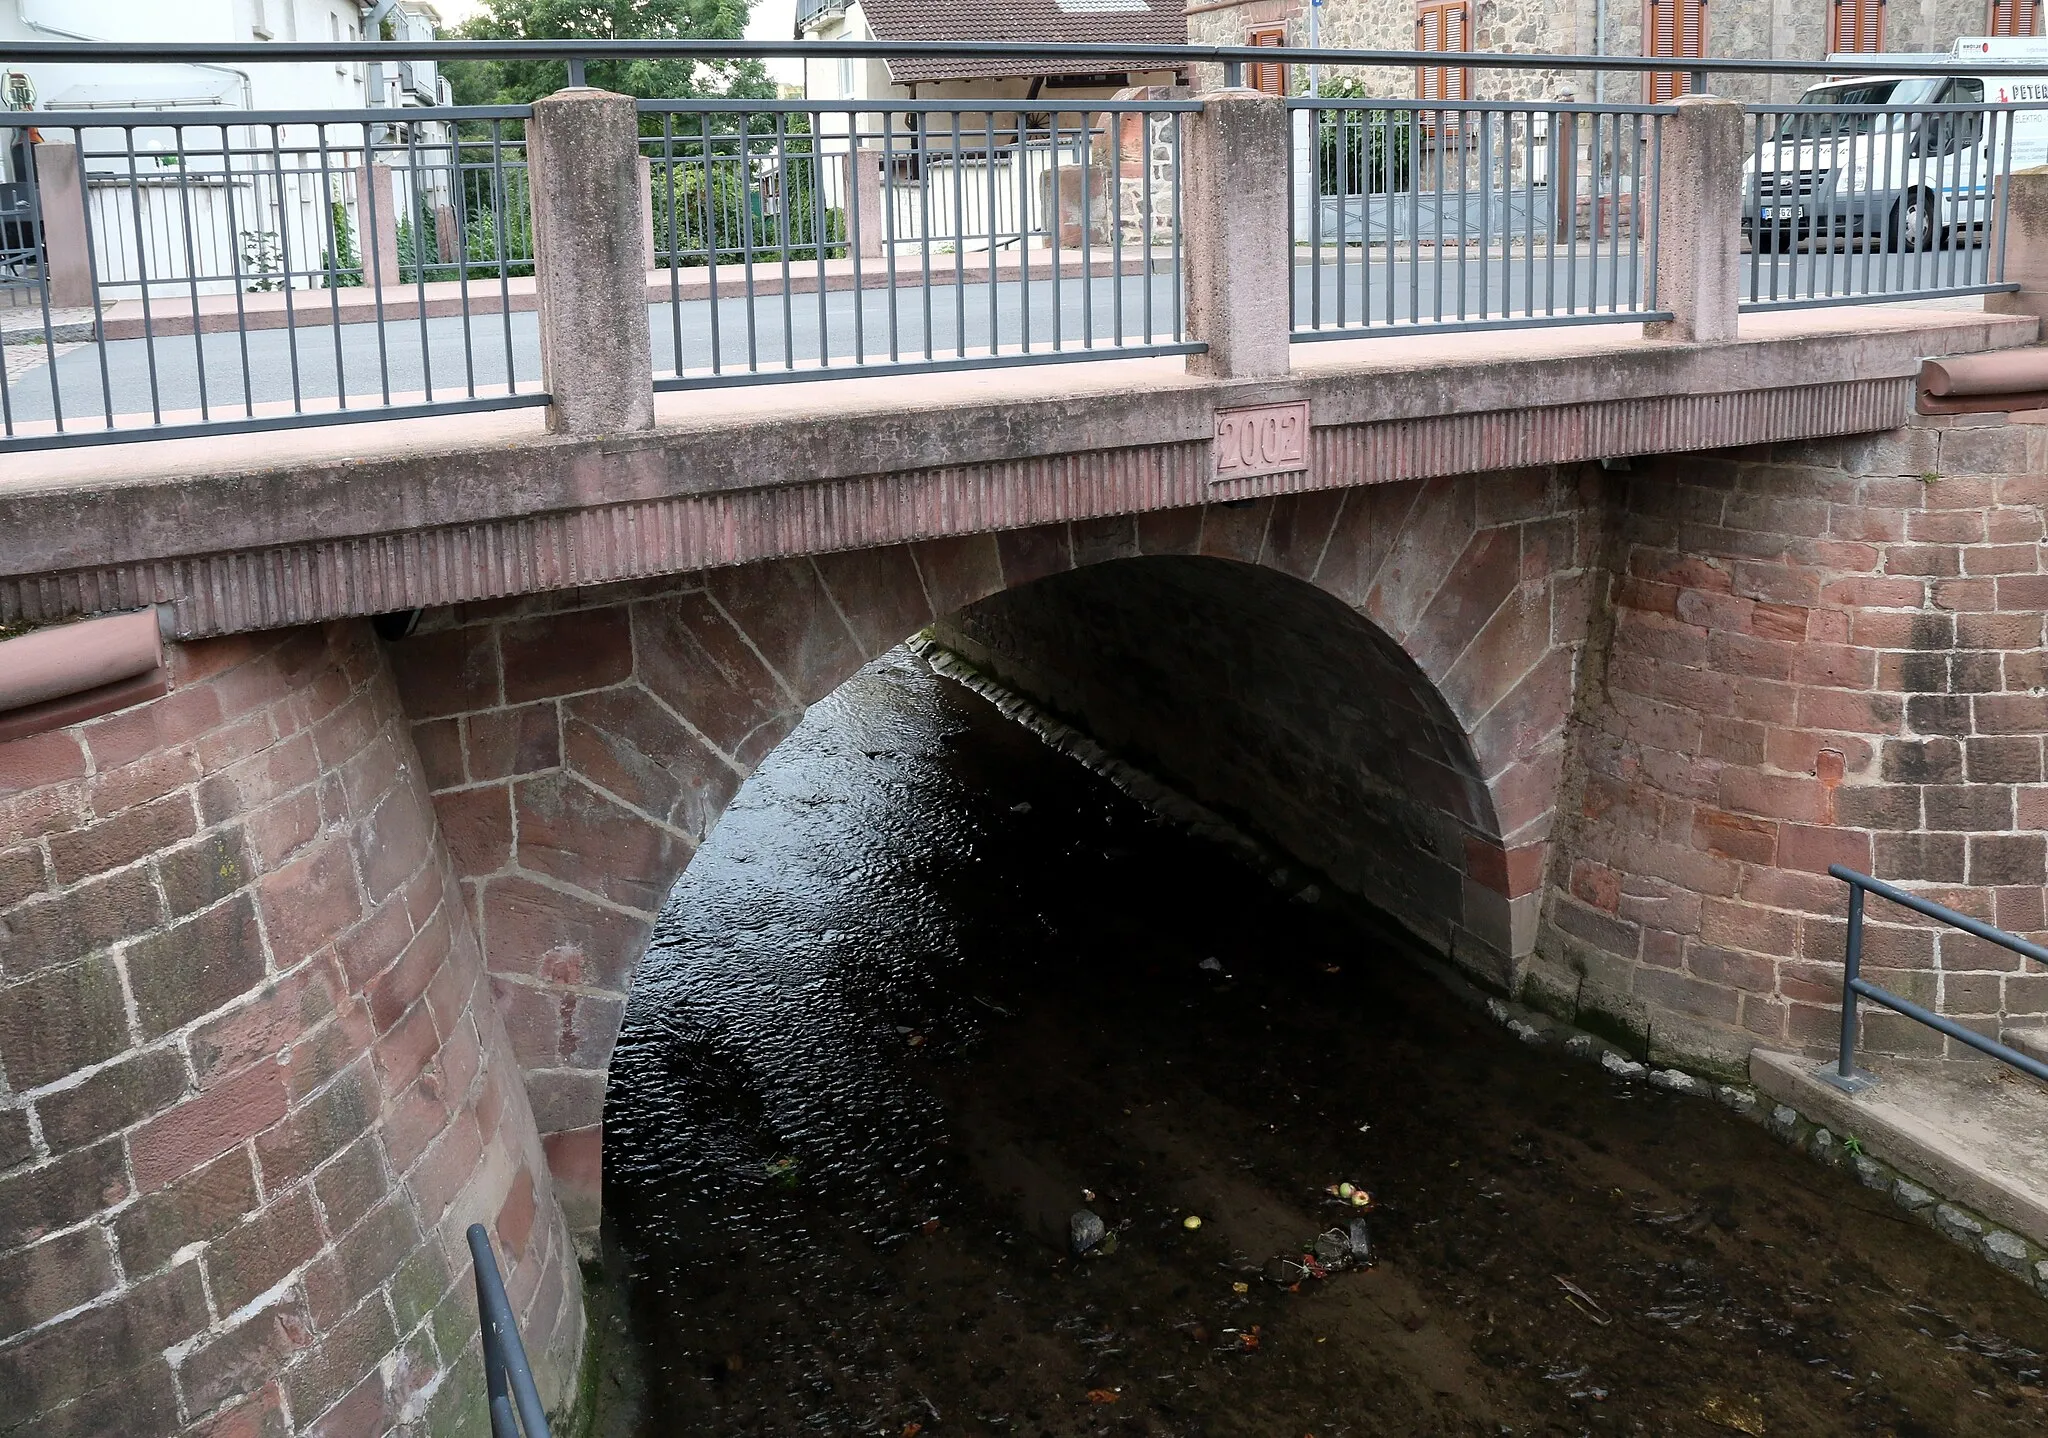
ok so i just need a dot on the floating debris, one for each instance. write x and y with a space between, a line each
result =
1210 965
1192 1221
1744 1415
1085 1230
1103 1395
1583 1300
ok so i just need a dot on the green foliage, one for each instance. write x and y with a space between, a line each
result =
748 202
1360 152
343 265
261 260
520 82
479 251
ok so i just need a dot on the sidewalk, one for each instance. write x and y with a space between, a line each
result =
271 310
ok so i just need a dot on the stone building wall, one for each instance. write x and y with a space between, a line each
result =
1824 653
1736 29
252 1087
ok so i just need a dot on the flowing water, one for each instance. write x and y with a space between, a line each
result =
932 988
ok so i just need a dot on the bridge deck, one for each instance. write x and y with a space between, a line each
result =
292 526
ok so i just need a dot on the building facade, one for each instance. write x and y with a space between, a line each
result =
209 205
1726 29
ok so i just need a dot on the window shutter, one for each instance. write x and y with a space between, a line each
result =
1443 27
1858 27
1269 79
2015 17
1677 29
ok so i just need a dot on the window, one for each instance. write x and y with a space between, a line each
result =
1675 29
2015 17
1443 27
1857 27
1268 79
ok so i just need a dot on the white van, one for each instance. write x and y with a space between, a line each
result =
1915 181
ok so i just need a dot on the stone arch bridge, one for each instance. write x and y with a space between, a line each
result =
316 943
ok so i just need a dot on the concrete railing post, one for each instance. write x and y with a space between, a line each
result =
2023 206
864 197
1699 221
60 192
377 227
590 270
1238 238
644 169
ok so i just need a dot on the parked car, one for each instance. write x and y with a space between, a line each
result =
1877 159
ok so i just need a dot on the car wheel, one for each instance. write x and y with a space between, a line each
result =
1912 227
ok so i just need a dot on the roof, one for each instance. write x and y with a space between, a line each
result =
1052 22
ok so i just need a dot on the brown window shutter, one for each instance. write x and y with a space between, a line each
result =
1443 27
2015 17
1677 29
1269 79
1858 27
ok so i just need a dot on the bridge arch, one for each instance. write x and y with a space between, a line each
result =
580 745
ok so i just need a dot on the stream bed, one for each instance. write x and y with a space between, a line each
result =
930 989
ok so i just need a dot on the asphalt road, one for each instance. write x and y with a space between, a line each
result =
225 372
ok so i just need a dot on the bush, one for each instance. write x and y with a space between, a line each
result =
723 214
1361 152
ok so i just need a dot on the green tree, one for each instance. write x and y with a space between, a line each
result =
520 82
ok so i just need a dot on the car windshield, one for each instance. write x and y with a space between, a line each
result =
1911 90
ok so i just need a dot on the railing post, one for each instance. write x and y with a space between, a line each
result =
1699 221
60 202
2018 243
1237 224
589 272
1846 1076
864 196
377 226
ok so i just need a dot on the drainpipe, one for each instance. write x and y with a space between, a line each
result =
248 90
54 677
373 29
1599 48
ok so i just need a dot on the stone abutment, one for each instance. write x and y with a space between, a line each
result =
321 955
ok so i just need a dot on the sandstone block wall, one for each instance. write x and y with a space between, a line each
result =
1825 653
252 1086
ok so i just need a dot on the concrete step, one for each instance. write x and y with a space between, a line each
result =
2031 1042
1976 1133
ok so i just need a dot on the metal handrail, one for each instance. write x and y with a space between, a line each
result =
95 52
508 1378
1846 1075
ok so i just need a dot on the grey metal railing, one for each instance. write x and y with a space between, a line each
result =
802 239
1848 204
1418 215
239 275
270 269
515 1404
1855 986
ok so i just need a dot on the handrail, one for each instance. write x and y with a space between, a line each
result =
72 52
508 1378
1846 1075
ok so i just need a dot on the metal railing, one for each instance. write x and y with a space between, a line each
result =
1847 204
803 240
240 274
516 1410
1854 986
1425 216
272 269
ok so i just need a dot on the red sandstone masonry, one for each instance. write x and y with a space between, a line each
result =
254 1084
1824 653
581 745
